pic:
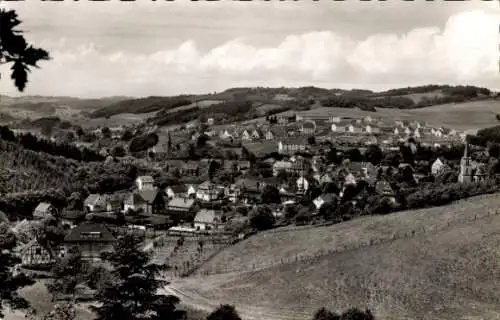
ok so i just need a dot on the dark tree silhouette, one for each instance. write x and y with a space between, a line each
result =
14 49
325 314
224 312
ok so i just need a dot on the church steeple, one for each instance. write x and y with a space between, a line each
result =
465 166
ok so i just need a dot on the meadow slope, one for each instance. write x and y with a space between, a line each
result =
437 263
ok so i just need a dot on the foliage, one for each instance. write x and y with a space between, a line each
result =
131 291
14 49
68 273
31 142
324 314
262 218
143 142
374 154
270 194
224 312
142 105
10 282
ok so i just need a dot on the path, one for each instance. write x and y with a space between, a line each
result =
198 302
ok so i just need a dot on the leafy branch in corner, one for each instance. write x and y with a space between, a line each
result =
14 49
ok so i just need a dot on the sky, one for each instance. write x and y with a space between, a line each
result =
146 47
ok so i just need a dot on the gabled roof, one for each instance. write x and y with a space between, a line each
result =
89 232
206 185
146 179
148 195
181 203
282 165
35 242
94 199
247 183
180 188
43 207
294 141
207 216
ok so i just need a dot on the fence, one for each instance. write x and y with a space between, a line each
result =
311 258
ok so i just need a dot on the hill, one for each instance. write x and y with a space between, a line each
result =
437 263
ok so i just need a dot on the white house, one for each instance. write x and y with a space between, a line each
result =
224 134
321 200
416 133
337 128
437 166
246 136
207 219
396 131
207 191
302 184
144 183
353 129
372 129
255 134
368 119
408 131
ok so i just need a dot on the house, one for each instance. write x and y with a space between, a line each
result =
325 198
308 127
44 210
72 217
302 184
191 168
279 166
371 129
178 191
114 203
35 254
368 119
269 135
396 131
292 145
210 121
145 182
335 127
207 219
256 134
334 119
207 191
416 133
95 203
382 187
407 131
224 135
324 178
92 239
246 136
354 129
149 201
438 166
180 206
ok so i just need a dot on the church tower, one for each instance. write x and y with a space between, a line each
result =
465 166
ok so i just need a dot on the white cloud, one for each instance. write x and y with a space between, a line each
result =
464 51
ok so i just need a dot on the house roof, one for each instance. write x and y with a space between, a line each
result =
34 242
89 232
309 125
282 165
294 141
206 185
328 197
93 199
3 217
148 195
43 207
180 188
146 179
247 183
206 216
181 203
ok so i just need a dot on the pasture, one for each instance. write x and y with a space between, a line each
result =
436 263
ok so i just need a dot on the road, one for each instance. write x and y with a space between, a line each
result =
198 302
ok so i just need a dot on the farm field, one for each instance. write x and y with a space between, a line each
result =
201 104
462 116
122 119
436 263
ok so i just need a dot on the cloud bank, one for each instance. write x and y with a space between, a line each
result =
465 51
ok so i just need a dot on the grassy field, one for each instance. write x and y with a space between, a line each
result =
462 116
437 263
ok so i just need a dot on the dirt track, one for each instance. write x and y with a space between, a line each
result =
198 302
